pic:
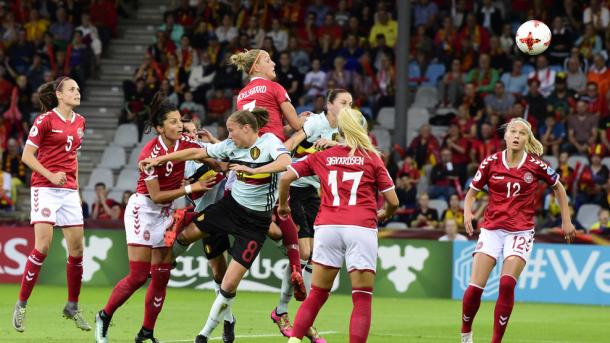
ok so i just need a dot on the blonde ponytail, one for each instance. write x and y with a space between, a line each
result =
533 145
246 60
352 126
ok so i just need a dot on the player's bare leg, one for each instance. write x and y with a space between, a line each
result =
188 235
219 268
511 269
482 265
74 271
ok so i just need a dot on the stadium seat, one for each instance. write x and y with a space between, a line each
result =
416 117
127 179
113 157
133 157
386 117
573 160
396 226
426 97
439 204
551 160
606 162
414 75
88 197
439 131
116 195
212 128
587 215
100 174
384 141
434 72
146 137
126 135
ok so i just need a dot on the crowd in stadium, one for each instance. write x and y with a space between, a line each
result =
464 49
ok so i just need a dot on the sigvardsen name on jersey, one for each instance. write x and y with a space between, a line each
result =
347 160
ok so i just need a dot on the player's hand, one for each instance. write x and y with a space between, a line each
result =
382 216
468 224
203 185
58 179
569 231
323 143
207 136
241 168
283 210
147 163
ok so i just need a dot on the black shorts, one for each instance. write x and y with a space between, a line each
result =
215 245
248 227
304 206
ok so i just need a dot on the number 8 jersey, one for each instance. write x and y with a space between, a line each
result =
57 141
512 191
349 185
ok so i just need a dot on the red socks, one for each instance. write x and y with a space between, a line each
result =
74 275
360 322
308 311
290 238
504 306
138 274
30 274
155 295
470 306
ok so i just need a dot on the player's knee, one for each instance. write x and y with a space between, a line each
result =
305 254
138 277
507 284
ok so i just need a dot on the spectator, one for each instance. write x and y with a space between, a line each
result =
11 164
490 17
104 208
421 42
474 33
306 34
105 18
424 147
507 39
499 102
593 99
424 216
255 33
552 134
486 145
566 172
459 146
386 83
545 76
596 15
561 43
61 29
187 56
589 43
218 107
536 103
599 73
185 14
451 232
315 80
135 110
444 39
352 54
329 27
21 53
576 79
78 59
385 26
582 129
515 81
602 225
299 57
36 26
342 15
173 30
288 76
443 176
9 29
162 48
354 27
319 9
201 77
451 86
562 99
343 78
484 77
454 211
227 31
424 13
406 191
91 37
124 200
201 35
458 13
278 34
380 49
192 107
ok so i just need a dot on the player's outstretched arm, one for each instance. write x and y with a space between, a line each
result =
468 202
178 156
279 165
294 140
568 228
290 114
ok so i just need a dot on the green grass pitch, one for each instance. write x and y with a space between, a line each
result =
394 320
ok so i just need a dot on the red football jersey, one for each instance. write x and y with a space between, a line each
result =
57 141
268 95
349 185
512 191
171 174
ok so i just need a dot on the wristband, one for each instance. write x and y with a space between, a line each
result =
188 189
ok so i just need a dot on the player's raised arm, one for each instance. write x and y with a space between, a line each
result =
178 156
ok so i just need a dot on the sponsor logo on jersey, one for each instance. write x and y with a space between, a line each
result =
477 176
255 153
80 132
528 177
496 177
34 131
57 131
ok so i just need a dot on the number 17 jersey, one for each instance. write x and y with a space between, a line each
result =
512 191
349 185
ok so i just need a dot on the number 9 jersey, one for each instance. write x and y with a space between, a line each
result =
57 141
512 191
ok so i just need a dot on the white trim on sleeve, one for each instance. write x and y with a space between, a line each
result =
31 143
473 187
389 189
294 171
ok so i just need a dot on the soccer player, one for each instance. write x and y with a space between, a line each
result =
350 175
148 215
507 230
263 92
246 212
318 129
50 152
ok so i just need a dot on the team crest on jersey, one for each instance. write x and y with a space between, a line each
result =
200 218
335 136
146 235
80 132
46 212
34 131
477 176
255 153
528 177
479 245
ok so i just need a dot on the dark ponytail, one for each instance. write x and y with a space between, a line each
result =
257 118
331 95
159 108
47 96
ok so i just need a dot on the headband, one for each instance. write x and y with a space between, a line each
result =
255 60
60 82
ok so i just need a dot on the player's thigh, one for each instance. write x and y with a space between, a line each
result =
139 253
360 249
233 276
74 236
513 266
43 236
362 279
328 247
161 255
482 265
305 246
324 276
70 213
146 222
519 244
274 232
490 243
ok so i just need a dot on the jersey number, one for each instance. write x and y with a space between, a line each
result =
516 189
250 106
169 167
347 176
69 143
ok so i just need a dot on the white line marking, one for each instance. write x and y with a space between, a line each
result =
265 335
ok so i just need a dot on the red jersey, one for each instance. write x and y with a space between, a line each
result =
349 185
57 141
512 191
268 95
169 175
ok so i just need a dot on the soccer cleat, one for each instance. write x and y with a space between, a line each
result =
19 318
101 328
228 332
297 282
313 335
145 335
201 339
173 231
77 316
467 337
282 321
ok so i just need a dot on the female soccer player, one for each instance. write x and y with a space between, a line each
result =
304 198
246 212
346 226
511 176
147 216
263 92
50 152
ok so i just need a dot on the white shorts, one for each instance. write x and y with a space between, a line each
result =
145 221
356 244
496 243
56 206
